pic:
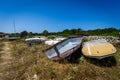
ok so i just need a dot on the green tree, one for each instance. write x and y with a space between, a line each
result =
66 31
24 34
45 33
30 34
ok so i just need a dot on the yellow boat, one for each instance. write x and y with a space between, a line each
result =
98 49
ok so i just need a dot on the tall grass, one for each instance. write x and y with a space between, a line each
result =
30 61
1 45
1 48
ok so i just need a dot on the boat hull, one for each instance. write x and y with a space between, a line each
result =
101 57
64 48
98 49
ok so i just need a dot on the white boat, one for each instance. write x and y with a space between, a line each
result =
54 41
51 42
98 49
60 38
30 39
33 40
64 48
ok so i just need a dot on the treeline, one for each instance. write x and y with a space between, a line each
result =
72 32
104 32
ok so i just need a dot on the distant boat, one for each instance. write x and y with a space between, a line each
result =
64 48
33 40
13 38
98 49
54 41
51 42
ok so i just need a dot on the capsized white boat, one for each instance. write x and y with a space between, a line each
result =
51 42
64 48
98 49
33 40
54 41
30 39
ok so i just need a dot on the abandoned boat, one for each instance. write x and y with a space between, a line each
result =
64 48
98 49
51 42
31 41
54 41
13 38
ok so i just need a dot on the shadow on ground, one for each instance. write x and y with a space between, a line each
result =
74 57
106 62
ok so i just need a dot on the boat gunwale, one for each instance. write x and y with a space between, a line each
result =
61 42
101 57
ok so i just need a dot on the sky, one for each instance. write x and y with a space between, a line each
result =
57 15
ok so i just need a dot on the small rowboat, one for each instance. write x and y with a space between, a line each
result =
31 41
64 48
98 49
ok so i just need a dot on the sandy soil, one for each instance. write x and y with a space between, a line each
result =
5 59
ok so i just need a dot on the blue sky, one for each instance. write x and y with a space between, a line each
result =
57 15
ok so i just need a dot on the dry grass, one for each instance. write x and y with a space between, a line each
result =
30 61
1 48
1 45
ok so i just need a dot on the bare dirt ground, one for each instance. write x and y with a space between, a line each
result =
5 59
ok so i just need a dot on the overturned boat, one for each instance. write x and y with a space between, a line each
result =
98 49
54 41
13 38
51 42
31 41
64 48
